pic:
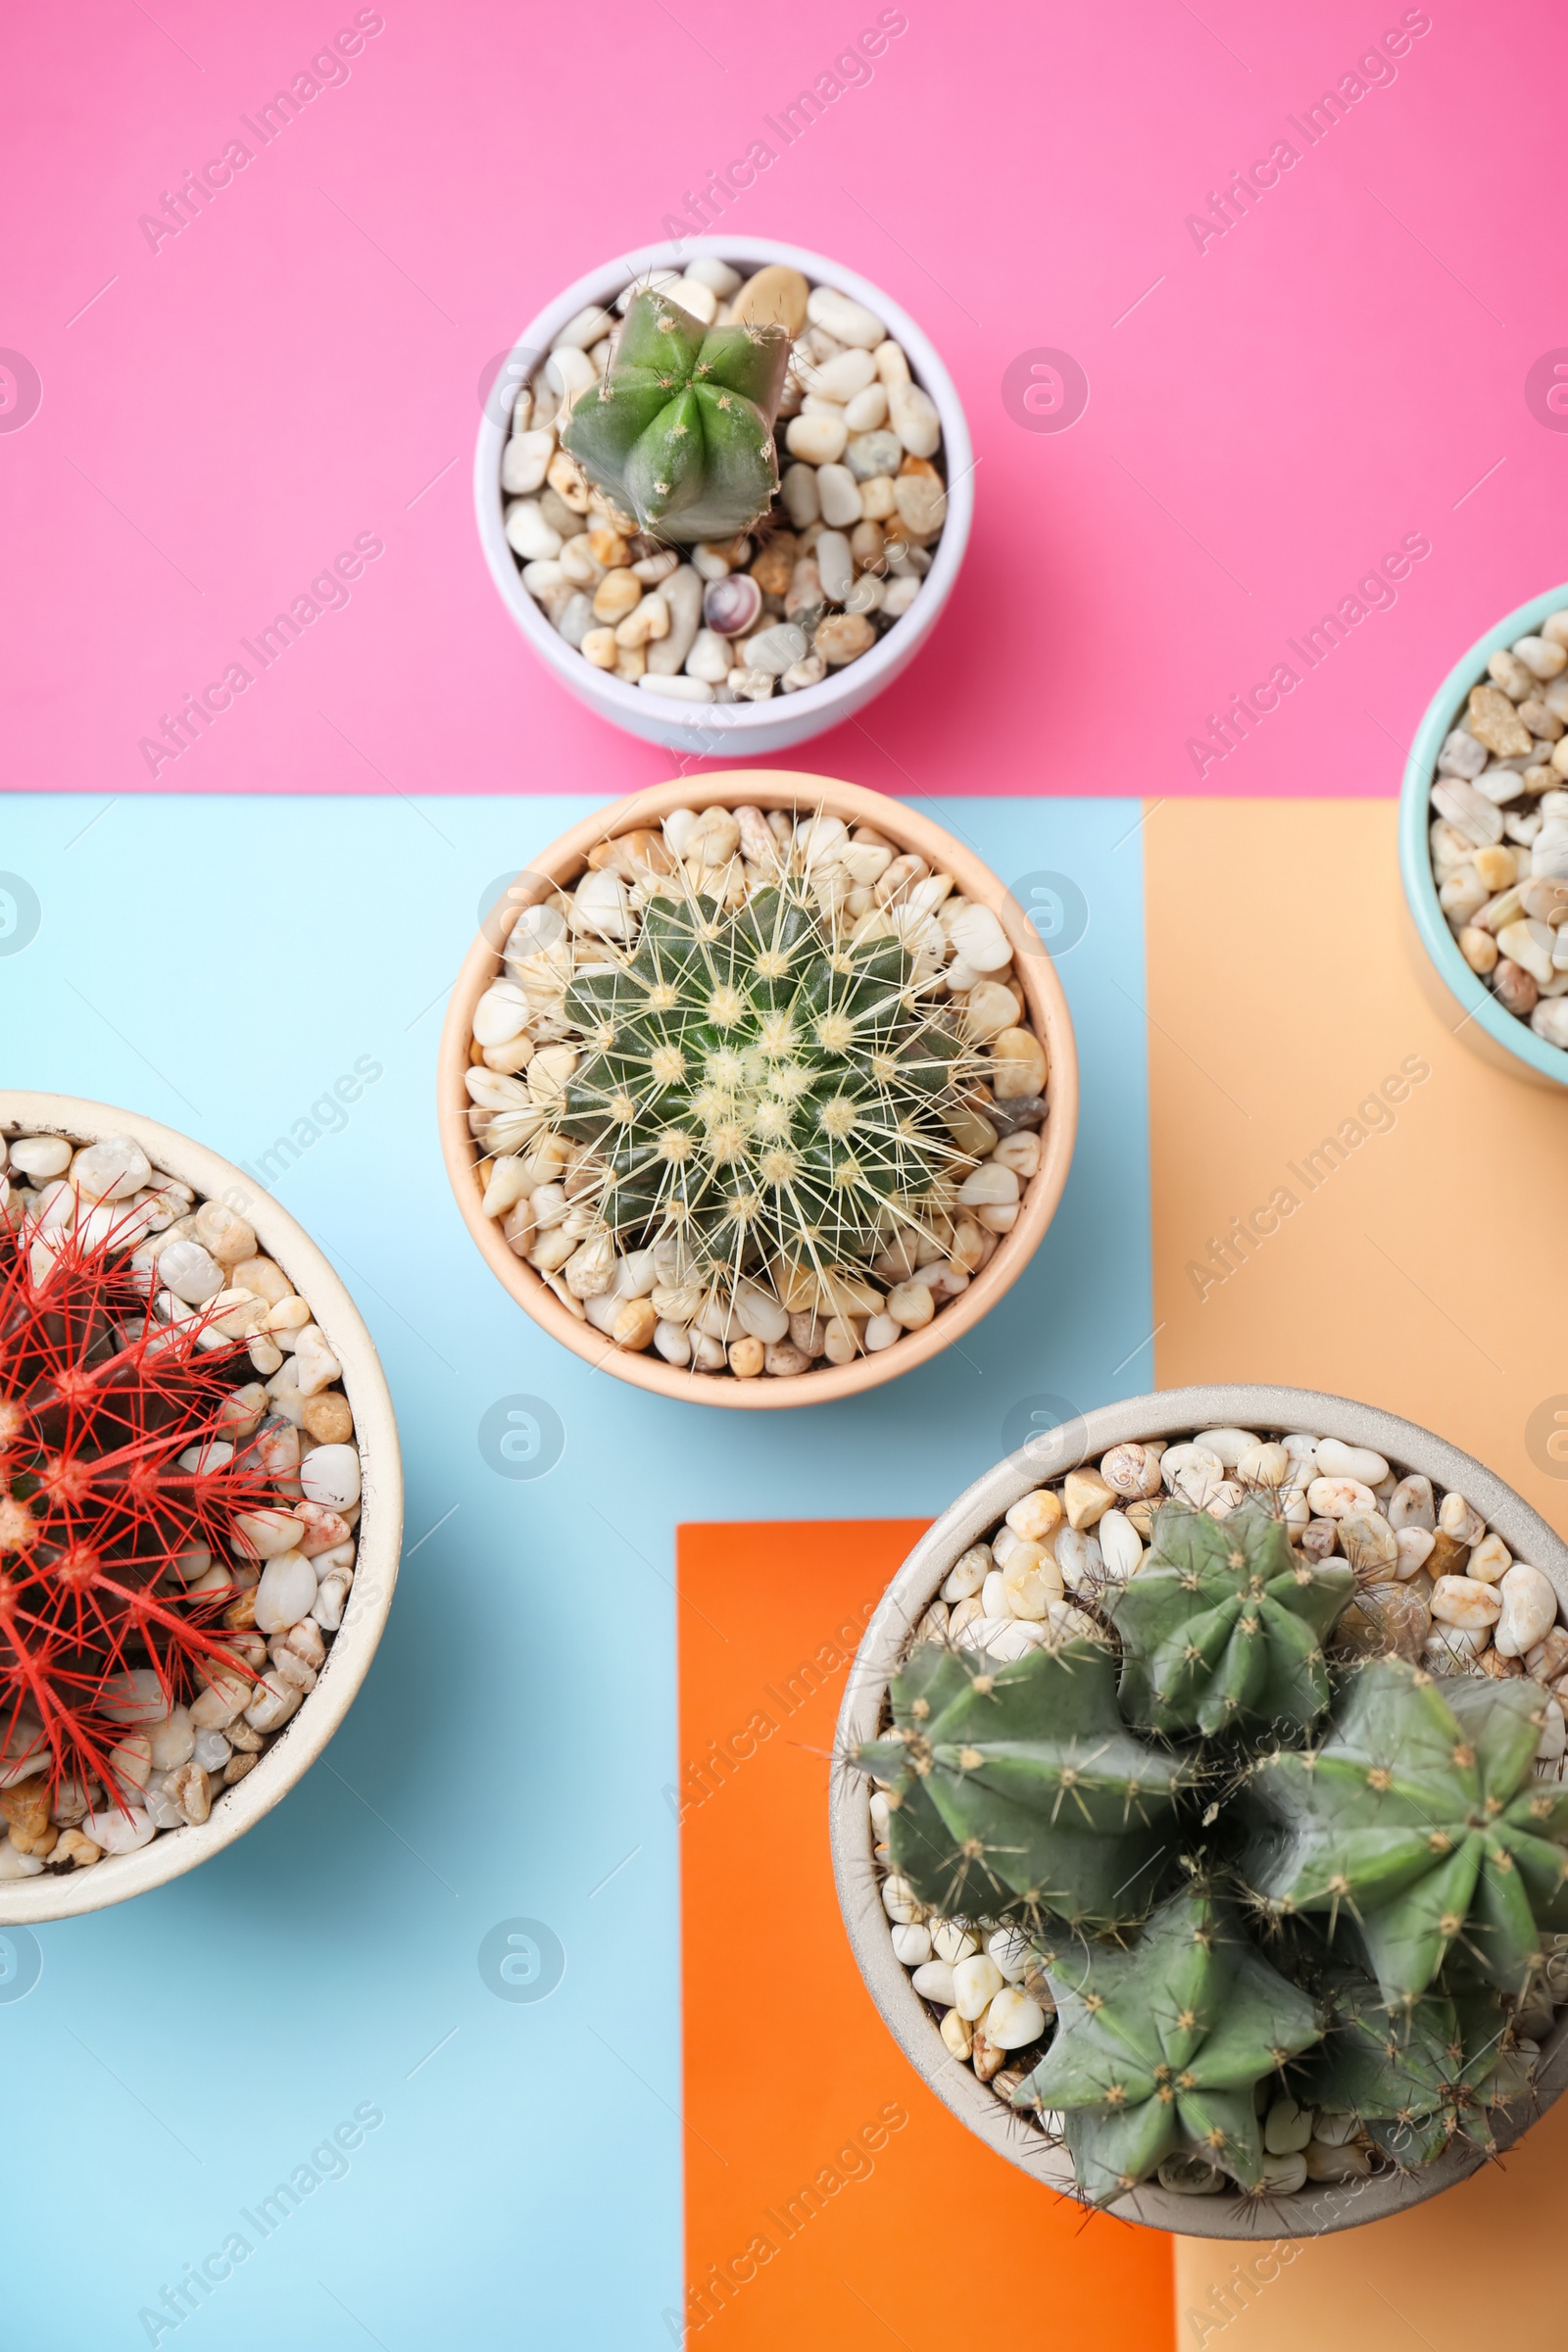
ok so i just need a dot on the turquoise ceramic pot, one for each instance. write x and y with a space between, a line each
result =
1530 1055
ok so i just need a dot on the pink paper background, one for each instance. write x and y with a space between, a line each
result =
1343 367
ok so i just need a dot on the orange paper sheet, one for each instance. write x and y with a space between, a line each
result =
832 2202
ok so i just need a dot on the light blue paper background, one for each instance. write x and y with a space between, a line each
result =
218 963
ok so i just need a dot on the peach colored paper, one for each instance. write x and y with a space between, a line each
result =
1413 1272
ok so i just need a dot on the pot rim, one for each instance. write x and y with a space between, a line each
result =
1335 2206
737 729
296 1747
1467 989
1047 1005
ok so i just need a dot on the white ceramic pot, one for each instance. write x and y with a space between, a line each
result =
1321 2207
379 1535
725 730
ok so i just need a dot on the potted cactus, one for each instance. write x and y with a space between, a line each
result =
1218 1828
200 1504
759 1091
1483 827
724 490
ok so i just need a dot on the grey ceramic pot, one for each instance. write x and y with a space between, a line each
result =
1320 2207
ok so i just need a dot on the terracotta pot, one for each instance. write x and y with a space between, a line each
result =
295 1748
1320 2207
562 863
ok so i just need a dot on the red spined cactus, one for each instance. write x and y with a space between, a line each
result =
119 1462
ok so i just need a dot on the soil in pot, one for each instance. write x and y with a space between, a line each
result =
1500 829
179 1488
755 1091
808 574
1220 1807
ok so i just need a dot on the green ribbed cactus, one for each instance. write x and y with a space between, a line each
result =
680 431
1418 2074
1223 1625
1159 2048
1016 1789
1419 1828
768 1098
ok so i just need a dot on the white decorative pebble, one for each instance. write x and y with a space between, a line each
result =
840 495
914 416
1336 1460
526 460
1120 1547
528 533
898 1899
1079 1559
867 411
1337 1497
173 1741
1283 2175
952 1941
1460 1601
1529 1609
111 1170
845 320
802 496
1013 1952
709 270
1004 1638
330 1474
834 561
285 1593
191 1272
1414 1547
1014 2019
975 1982
968 1573
120 1832
697 300
933 1982
38 1157
979 939
820 439
316 1365
775 649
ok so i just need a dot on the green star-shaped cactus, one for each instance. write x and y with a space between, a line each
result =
1415 2075
680 431
1223 1625
1017 1789
1158 2048
1418 1824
